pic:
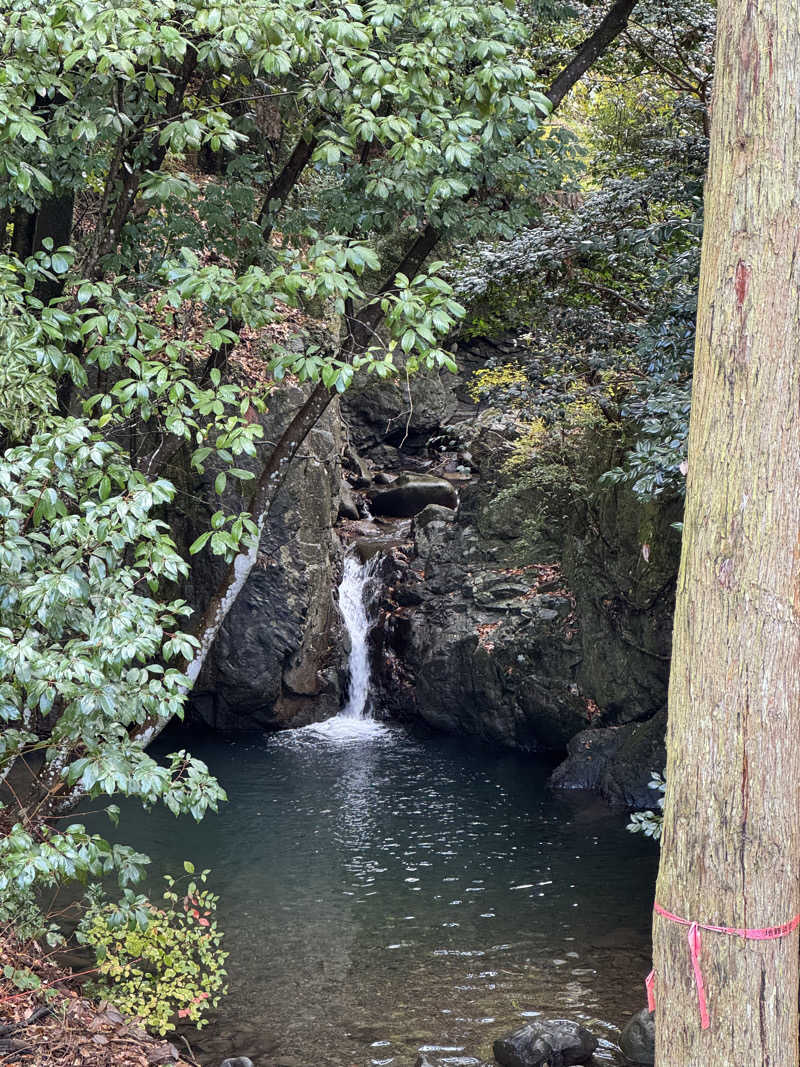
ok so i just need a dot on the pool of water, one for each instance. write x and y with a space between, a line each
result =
383 893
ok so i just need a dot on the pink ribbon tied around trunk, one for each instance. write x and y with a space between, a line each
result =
766 933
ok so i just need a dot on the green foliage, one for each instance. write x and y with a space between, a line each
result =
22 977
603 289
650 823
486 380
161 963
20 910
172 126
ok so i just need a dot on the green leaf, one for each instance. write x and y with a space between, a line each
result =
199 543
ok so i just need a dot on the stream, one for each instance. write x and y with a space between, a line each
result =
384 893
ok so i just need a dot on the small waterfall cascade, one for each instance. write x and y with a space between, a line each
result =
355 578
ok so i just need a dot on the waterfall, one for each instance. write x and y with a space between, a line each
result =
353 724
355 577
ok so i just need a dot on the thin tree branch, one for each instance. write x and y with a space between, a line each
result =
590 51
281 187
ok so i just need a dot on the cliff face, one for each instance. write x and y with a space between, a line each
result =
527 640
540 608
276 662
531 608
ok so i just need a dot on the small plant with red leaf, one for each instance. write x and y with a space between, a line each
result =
165 963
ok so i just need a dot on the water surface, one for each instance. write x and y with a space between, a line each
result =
383 893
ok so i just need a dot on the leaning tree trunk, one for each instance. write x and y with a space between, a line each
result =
730 851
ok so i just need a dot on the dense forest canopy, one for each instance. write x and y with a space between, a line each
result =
202 201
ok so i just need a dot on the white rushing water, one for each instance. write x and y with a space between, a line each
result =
354 614
353 723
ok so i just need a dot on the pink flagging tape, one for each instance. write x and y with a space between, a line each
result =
650 986
766 933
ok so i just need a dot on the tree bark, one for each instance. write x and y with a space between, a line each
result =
279 190
731 845
590 51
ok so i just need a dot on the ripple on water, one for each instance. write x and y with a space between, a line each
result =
328 832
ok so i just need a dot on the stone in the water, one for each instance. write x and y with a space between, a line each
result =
638 1039
555 1042
348 509
237 1061
410 493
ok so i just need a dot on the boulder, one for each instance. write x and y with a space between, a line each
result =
359 468
270 665
433 513
411 493
616 761
638 1039
554 1042
348 509
391 420
237 1061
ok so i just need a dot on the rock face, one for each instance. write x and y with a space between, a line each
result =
638 1039
554 1042
616 761
525 608
411 493
393 419
528 636
276 660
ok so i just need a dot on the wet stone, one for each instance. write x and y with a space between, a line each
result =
554 1042
638 1039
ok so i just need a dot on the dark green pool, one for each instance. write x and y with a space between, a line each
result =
382 894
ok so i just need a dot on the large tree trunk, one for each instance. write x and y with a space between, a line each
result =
731 849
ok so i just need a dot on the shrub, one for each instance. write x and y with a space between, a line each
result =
163 964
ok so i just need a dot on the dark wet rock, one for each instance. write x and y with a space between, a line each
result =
554 1042
393 420
616 761
348 509
588 756
237 1061
484 665
275 662
534 617
359 469
411 493
433 513
638 1039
